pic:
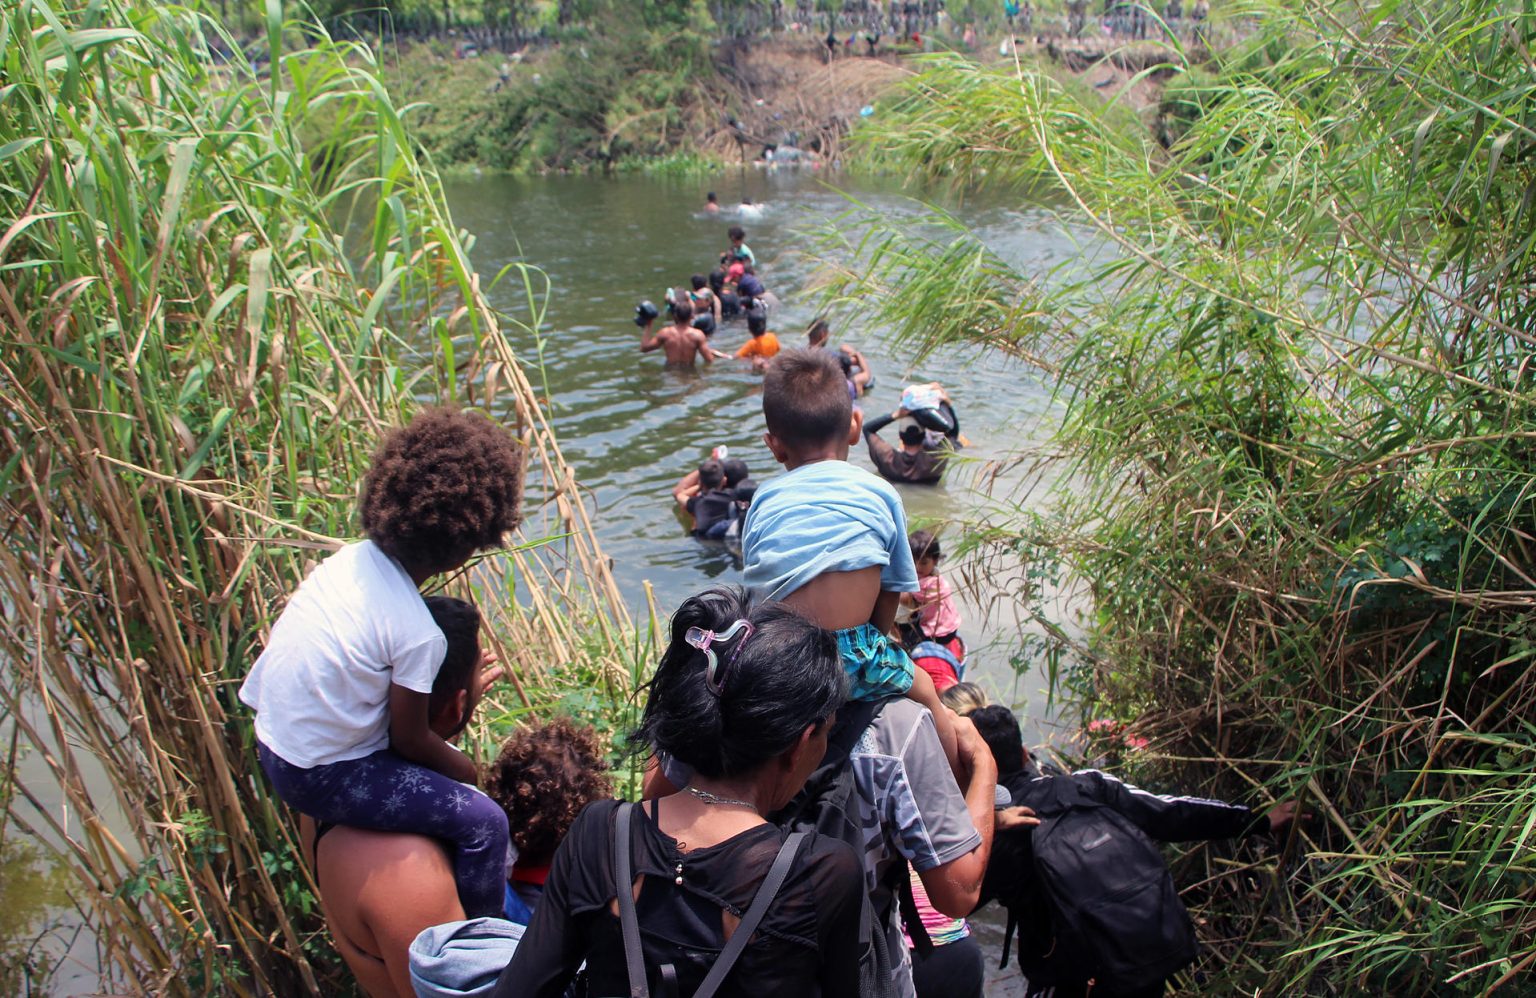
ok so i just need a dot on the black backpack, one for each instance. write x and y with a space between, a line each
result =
1093 892
828 804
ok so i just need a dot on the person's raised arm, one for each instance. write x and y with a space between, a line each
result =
648 340
686 488
411 736
1173 819
954 888
877 424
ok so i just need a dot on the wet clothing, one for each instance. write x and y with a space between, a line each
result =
925 467
764 346
386 793
807 944
876 668
712 509
827 516
749 286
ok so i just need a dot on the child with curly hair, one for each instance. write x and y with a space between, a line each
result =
342 690
542 778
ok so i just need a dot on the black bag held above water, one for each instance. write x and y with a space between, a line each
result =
1113 912
634 955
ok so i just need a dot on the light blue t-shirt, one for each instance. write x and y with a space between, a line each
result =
825 517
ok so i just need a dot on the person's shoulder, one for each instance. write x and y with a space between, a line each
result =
834 859
896 728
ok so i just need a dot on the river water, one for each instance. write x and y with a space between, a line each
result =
630 426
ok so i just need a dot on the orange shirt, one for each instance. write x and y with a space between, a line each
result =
763 346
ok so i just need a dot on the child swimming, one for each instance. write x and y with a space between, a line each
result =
342 691
830 539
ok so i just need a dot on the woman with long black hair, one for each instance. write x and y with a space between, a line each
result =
744 697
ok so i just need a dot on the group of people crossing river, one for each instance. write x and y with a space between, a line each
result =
825 799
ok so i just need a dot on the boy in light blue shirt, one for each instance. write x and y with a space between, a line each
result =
830 539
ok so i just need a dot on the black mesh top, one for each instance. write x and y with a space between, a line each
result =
807 944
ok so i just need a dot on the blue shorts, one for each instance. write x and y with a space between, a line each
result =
876 668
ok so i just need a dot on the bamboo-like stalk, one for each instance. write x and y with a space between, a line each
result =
194 371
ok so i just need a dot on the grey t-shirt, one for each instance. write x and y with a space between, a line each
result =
912 811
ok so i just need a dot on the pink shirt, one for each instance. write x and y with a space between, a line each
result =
936 601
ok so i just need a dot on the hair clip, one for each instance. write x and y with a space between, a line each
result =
703 639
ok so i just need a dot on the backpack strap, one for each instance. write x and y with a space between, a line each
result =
749 922
624 885
1013 924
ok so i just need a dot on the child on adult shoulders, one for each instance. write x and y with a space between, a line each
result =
342 692
938 617
830 539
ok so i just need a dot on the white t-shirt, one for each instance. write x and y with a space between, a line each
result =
321 688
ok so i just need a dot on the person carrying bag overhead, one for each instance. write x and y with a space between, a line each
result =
695 894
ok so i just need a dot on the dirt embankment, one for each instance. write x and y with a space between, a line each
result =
785 90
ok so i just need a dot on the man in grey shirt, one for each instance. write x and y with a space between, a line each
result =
913 811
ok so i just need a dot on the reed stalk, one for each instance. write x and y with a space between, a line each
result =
222 277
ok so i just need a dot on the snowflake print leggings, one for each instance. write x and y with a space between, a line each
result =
388 794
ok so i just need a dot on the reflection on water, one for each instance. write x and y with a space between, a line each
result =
33 903
630 427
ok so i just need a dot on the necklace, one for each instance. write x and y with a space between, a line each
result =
709 798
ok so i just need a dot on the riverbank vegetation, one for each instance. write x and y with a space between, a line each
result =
210 308
1295 471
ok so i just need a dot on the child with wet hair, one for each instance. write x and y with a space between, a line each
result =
830 539
543 777
342 691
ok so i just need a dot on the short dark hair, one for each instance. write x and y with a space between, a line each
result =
543 777
460 623
698 281
711 474
773 682
913 434
924 545
757 323
805 398
735 470
1000 730
442 487
710 196
682 310
745 490
818 331
736 232
716 280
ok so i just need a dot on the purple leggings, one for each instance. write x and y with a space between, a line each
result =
386 793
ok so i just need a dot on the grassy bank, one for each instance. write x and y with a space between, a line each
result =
220 282
1297 439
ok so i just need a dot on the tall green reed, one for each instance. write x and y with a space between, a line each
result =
1294 476
196 362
